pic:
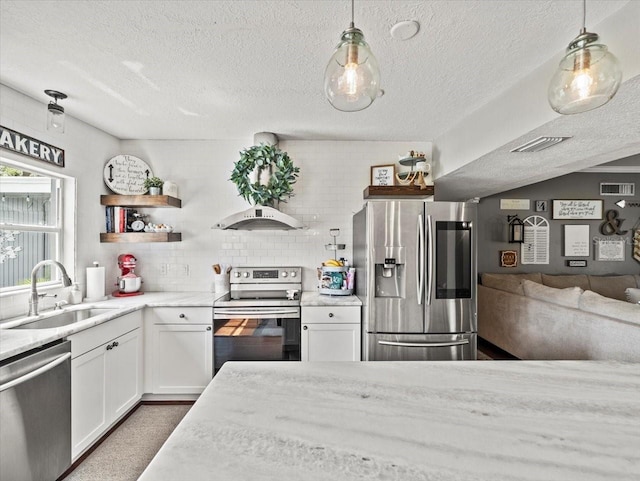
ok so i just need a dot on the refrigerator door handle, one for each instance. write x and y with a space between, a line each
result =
420 261
430 258
424 344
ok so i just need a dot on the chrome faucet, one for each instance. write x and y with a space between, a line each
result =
33 300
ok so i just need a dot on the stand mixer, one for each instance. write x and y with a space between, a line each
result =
128 282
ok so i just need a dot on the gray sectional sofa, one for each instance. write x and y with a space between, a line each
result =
540 316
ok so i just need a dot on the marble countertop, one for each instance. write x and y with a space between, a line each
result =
314 298
459 420
17 341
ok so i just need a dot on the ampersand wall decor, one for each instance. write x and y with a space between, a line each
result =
611 226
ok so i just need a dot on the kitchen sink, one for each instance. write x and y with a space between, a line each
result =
65 318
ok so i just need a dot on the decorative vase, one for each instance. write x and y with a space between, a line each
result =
154 190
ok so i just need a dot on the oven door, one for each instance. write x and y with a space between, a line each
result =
255 334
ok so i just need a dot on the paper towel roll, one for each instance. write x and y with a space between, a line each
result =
95 284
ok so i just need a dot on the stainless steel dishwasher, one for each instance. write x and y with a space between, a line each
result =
35 414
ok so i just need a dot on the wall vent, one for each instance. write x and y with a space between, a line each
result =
541 143
617 188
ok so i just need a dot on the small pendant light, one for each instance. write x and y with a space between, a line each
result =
55 112
352 76
588 76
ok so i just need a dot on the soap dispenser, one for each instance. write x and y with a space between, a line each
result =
76 294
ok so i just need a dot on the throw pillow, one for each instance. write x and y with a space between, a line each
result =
560 282
509 282
567 297
612 286
633 295
604 306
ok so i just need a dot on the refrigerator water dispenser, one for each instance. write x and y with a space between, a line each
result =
389 278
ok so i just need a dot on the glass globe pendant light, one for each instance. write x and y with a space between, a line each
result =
588 76
352 76
55 112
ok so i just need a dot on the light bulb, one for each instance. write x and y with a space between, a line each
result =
581 84
348 82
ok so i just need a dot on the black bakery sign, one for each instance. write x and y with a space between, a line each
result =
23 144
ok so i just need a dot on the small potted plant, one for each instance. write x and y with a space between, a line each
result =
153 185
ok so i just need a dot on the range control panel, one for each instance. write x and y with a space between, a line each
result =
265 275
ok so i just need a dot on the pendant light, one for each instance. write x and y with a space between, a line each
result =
588 76
55 112
352 77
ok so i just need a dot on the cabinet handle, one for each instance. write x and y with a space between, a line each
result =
109 347
208 328
304 327
116 343
331 314
182 316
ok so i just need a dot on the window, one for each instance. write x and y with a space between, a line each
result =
31 228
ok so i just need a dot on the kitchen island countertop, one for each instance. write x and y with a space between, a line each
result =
17 341
406 421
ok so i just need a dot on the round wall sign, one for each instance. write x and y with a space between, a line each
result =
125 174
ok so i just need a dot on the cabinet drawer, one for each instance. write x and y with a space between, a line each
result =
331 314
181 315
93 337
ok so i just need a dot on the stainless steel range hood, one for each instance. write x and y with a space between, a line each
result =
259 217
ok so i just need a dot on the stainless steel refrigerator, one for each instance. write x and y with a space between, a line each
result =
416 276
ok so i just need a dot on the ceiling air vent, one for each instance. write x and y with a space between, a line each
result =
617 188
539 144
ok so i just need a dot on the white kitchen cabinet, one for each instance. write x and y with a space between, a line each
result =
330 333
180 349
106 377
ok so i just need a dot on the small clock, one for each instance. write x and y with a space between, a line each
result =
137 225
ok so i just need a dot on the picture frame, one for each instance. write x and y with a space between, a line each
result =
572 209
576 240
508 258
383 174
610 250
541 205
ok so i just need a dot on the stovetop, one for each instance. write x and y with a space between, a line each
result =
226 301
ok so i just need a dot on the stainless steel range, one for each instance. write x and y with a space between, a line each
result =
259 319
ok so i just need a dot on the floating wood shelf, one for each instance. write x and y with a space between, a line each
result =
141 200
141 237
382 191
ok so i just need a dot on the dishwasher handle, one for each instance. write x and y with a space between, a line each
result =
42 369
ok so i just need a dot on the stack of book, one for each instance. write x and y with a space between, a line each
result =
118 219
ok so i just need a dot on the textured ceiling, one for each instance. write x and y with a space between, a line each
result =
226 69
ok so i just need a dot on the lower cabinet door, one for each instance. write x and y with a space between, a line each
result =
330 342
89 413
182 359
105 383
124 373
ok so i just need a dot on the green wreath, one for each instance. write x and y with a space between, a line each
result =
265 156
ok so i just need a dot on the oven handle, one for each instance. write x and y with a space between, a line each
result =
258 313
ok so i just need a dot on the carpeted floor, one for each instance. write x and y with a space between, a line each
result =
129 449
